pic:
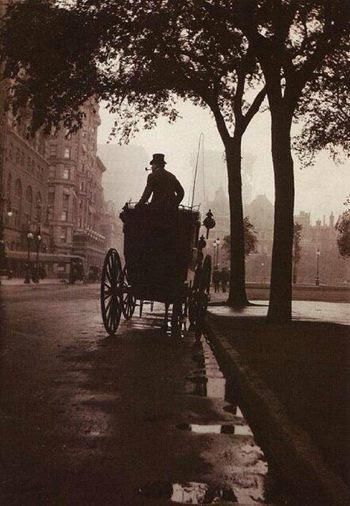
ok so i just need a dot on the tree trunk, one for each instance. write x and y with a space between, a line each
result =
237 294
280 307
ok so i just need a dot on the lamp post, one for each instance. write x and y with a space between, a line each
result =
263 271
317 280
30 237
217 251
38 243
3 200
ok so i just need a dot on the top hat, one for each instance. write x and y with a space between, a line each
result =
158 158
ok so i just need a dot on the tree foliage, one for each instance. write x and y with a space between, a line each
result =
343 228
137 56
250 238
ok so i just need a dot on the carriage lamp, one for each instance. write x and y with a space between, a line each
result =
201 243
209 222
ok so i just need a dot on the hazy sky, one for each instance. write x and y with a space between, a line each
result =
319 189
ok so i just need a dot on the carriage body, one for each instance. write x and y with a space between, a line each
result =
160 251
163 263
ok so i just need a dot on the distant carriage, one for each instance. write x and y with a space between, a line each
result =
164 262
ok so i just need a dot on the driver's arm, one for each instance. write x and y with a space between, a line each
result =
179 191
147 192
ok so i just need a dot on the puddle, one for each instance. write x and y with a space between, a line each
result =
239 430
209 381
187 493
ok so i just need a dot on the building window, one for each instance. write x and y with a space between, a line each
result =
11 151
51 196
16 218
53 149
63 234
67 153
50 213
65 202
18 188
66 173
29 194
64 215
52 172
9 186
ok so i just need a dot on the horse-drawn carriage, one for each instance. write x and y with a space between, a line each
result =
164 262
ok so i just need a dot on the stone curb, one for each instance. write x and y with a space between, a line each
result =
290 448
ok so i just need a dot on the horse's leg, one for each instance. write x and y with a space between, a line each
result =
166 316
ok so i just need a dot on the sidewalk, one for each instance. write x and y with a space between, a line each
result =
20 282
294 382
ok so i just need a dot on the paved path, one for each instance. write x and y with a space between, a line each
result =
336 312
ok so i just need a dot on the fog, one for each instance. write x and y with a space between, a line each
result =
320 189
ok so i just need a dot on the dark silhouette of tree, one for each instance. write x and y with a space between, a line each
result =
138 56
296 250
250 238
294 42
324 110
343 228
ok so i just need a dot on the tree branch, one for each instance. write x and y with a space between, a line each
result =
237 100
220 122
254 108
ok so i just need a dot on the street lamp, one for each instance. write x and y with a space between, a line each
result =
30 237
317 280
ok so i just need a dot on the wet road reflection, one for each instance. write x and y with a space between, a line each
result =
188 493
89 419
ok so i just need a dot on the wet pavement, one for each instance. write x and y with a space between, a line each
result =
305 310
138 419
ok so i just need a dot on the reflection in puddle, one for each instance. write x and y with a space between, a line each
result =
239 430
187 493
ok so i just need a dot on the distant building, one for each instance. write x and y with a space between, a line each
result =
75 195
321 237
23 188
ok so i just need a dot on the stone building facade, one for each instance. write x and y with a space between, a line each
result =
76 205
24 191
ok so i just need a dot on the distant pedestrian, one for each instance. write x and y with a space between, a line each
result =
216 279
224 279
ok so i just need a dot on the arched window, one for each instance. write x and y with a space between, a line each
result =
9 186
29 194
18 188
38 205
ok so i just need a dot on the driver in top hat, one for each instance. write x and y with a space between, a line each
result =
166 190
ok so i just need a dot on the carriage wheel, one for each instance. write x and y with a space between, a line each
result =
128 299
111 284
